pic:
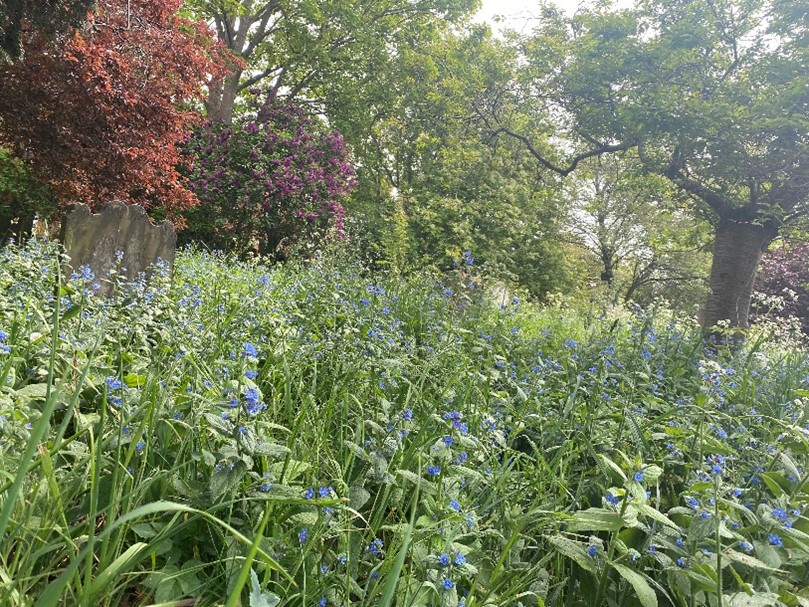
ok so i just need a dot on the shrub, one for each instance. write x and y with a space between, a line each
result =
274 179
784 274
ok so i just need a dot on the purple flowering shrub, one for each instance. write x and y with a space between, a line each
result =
784 273
271 181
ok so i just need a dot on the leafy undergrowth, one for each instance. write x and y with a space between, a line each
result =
313 435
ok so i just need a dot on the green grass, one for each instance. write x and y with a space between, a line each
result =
313 434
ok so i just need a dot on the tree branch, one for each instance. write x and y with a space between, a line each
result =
574 162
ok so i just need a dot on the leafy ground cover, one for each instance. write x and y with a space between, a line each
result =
316 435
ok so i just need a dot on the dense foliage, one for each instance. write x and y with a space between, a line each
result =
711 94
21 198
21 19
274 178
99 115
323 50
783 281
633 223
315 435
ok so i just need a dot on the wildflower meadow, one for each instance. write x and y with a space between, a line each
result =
313 434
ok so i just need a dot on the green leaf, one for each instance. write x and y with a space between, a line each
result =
612 465
573 550
258 597
652 473
33 391
746 559
358 496
658 516
133 380
271 449
72 312
222 426
759 599
595 519
226 478
775 483
646 595
121 565
357 451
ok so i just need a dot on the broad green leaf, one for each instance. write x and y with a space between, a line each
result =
595 519
643 590
33 391
655 514
226 478
358 496
750 561
573 550
258 597
759 599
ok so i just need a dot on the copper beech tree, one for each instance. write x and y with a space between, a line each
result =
98 113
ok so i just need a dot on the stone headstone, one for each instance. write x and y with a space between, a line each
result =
120 236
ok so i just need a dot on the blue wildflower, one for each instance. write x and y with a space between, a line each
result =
375 547
779 514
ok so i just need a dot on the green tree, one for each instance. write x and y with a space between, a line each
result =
315 48
713 95
432 188
636 226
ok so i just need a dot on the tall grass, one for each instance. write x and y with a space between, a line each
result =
315 435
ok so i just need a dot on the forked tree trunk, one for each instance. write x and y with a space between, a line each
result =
737 252
221 99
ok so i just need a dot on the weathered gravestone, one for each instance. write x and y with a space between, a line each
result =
98 240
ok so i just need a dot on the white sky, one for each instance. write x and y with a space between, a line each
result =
518 14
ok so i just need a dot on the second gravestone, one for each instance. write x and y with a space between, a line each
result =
97 240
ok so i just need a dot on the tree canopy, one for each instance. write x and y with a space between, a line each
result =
315 48
713 95
22 20
100 115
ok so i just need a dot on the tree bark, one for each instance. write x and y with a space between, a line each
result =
221 99
737 252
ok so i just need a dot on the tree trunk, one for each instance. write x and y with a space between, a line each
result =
222 95
737 252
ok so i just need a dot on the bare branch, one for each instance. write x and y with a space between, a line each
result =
574 162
